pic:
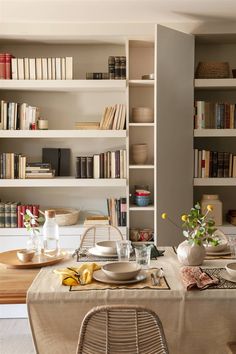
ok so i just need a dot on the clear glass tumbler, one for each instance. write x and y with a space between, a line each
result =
123 250
143 255
232 245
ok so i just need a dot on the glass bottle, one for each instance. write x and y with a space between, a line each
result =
51 234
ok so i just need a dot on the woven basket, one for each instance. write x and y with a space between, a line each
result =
66 216
212 70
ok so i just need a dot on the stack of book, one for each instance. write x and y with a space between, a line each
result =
114 117
39 170
18 116
117 67
11 213
111 164
42 68
91 220
214 164
214 115
117 211
5 66
12 165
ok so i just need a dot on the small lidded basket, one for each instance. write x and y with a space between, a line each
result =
212 70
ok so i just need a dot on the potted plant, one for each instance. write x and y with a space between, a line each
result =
198 229
31 223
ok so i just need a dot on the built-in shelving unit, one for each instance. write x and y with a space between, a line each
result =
73 134
215 84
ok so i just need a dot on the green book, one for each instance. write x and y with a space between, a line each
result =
8 214
14 214
2 214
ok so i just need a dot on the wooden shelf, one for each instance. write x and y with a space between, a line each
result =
63 134
214 181
215 84
141 125
201 133
63 85
141 167
134 207
141 83
63 182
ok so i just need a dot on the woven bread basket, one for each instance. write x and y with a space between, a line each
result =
66 216
212 70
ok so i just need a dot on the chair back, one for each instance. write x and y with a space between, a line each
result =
97 233
121 329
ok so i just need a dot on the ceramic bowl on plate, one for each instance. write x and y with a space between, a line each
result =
25 255
121 270
223 242
106 247
231 269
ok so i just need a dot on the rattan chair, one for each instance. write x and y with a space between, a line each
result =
121 329
97 233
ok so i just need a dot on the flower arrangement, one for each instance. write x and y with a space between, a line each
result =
31 223
198 228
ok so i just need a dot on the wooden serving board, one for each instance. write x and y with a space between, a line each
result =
10 260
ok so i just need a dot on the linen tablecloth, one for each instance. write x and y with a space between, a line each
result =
195 322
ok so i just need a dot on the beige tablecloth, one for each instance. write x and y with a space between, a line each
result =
195 322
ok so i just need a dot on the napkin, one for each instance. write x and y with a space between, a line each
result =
196 277
77 275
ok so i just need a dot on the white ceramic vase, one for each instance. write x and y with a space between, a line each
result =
190 255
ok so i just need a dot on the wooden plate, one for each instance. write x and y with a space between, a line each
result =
9 258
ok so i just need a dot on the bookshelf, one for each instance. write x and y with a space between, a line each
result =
209 48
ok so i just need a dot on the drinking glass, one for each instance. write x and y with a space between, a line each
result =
143 255
123 250
232 245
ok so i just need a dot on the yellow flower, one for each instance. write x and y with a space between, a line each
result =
184 218
164 216
209 207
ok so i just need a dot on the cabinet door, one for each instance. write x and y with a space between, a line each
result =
174 139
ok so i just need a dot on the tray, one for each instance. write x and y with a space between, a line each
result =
9 258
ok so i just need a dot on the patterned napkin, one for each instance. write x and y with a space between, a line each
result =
82 275
195 277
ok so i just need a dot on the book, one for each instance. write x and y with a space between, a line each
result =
14 71
44 68
14 214
53 68
39 75
111 67
7 214
20 69
123 211
96 166
117 68
26 68
97 219
77 168
2 214
89 167
32 69
69 68
83 167
63 68
2 66
49 63
58 68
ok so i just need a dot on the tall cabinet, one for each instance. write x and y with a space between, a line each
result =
168 172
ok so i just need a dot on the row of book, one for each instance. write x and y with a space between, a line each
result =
11 214
111 164
117 211
214 115
5 66
114 117
214 164
14 116
12 165
42 68
116 70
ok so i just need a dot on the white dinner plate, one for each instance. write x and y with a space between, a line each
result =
226 276
220 253
100 276
95 252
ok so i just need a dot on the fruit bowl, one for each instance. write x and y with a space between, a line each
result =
106 247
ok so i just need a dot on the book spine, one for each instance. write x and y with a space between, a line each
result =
26 68
83 171
2 66
53 68
49 63
14 214
44 68
101 156
220 169
117 68
117 164
19 216
23 210
123 211
35 210
226 164
20 68
2 215
69 68
78 168
8 58
58 68
8 214
63 68
123 68
214 163
39 75
118 213
89 166
111 67
14 71
96 166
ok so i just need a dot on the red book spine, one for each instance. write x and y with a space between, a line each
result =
19 216
8 66
2 66
23 209
36 210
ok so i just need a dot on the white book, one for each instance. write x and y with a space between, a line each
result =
38 69
200 115
49 68
1 114
115 120
44 68
96 166
58 68
53 68
122 118
69 68
14 71
26 68
63 68
23 116
20 68
32 69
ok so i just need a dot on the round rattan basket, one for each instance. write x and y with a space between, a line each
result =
212 70
66 216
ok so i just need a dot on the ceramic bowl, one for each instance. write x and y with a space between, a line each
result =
231 269
223 242
106 247
121 270
141 200
25 255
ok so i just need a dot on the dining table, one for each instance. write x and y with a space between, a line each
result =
195 321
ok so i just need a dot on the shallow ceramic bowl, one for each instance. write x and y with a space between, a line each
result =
231 269
25 255
121 270
223 243
106 247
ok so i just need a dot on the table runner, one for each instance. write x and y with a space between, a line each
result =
194 322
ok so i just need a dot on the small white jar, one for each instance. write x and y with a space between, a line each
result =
216 203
